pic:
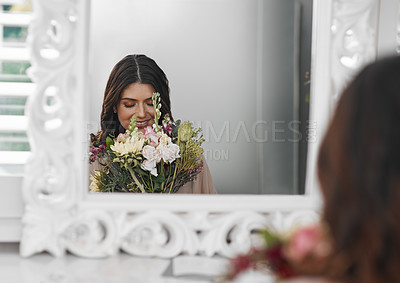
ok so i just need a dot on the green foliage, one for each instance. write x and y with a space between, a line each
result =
113 180
132 125
159 179
270 238
109 142
176 128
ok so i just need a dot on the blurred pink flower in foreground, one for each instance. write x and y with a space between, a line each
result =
307 242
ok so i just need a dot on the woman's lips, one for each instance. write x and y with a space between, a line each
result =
142 124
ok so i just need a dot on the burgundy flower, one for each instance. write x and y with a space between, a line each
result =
102 147
277 262
94 150
240 264
168 129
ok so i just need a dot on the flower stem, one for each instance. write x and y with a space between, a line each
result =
136 180
162 174
173 179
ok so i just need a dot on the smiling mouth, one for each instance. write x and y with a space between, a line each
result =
140 124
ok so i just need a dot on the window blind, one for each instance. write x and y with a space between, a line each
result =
15 85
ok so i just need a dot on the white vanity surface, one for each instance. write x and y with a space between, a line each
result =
122 268
44 268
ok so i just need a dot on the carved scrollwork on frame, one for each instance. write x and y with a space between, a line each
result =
158 233
165 234
354 34
50 185
96 234
50 127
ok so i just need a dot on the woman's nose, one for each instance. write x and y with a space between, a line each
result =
140 113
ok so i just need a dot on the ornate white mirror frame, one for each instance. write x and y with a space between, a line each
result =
61 216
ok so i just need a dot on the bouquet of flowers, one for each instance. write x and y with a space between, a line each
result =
303 252
160 160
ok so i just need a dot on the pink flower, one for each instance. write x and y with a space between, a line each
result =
306 242
151 136
148 130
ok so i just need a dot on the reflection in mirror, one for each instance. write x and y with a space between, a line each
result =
239 69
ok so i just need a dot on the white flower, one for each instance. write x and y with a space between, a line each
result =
165 140
94 187
133 145
165 150
169 152
149 165
149 152
152 158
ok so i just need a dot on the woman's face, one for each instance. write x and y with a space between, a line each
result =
136 99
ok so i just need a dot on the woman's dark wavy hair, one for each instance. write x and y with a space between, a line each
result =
131 69
359 173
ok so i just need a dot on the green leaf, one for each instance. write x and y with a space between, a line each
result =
140 171
158 179
109 142
270 238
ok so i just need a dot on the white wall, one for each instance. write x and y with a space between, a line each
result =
229 63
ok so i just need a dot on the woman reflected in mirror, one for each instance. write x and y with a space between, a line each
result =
129 91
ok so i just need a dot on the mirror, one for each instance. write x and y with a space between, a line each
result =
60 216
237 68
